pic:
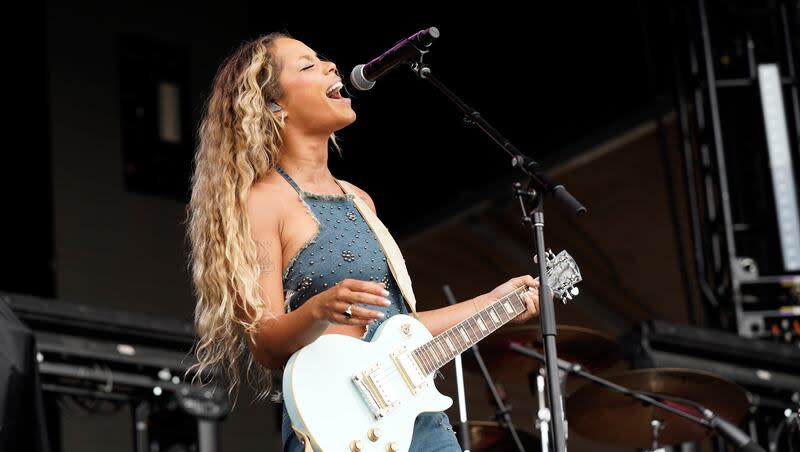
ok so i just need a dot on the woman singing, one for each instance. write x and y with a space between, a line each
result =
280 253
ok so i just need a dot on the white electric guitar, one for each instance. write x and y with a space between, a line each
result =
346 394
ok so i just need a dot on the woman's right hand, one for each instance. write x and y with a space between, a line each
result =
330 305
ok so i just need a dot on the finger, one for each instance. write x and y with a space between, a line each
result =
357 285
340 307
527 280
367 313
356 318
527 297
351 296
532 302
344 320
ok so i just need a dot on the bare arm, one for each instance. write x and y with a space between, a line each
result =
439 320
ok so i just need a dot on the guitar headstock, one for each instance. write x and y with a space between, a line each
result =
562 275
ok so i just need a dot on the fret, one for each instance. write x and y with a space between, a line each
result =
432 354
441 349
493 315
456 340
481 324
476 325
450 344
503 313
427 361
429 358
465 337
487 320
447 346
425 364
440 358
435 353
468 325
473 326
418 358
523 306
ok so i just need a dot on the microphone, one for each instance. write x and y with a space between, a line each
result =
363 76
739 439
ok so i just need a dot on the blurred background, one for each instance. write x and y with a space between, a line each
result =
675 123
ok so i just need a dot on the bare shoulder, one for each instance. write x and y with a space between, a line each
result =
363 195
265 203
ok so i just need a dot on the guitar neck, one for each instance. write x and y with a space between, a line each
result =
445 347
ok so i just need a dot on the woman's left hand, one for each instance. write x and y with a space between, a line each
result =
531 297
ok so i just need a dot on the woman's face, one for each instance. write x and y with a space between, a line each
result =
308 101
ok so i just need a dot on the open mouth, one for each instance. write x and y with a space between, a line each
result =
335 91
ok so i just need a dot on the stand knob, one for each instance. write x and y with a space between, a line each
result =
356 446
374 434
392 447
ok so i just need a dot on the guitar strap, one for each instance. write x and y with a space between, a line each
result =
394 258
306 442
393 255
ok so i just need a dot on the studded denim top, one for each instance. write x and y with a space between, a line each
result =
343 247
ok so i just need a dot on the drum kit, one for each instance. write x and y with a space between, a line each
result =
594 412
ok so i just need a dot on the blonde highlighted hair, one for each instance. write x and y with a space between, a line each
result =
239 142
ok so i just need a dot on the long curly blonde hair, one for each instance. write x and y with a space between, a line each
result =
239 142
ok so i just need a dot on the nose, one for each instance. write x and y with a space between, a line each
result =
332 67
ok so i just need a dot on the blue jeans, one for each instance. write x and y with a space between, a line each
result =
432 433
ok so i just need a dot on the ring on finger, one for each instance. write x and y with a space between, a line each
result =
348 312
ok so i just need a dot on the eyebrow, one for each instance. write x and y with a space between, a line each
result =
308 57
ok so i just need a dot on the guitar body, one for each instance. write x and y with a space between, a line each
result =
345 394
325 403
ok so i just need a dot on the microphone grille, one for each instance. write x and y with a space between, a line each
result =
359 80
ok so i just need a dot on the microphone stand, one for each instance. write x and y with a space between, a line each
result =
711 421
542 184
502 410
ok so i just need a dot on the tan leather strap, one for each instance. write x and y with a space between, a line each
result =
393 255
306 442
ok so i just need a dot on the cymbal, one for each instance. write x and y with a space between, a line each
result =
592 349
602 415
491 436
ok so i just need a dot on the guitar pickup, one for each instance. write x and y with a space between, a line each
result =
410 370
375 390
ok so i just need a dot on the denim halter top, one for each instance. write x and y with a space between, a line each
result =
343 247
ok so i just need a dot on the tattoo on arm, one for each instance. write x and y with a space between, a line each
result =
265 263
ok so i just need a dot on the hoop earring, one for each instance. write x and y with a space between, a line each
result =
283 118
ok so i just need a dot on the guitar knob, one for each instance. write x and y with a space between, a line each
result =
392 447
374 434
356 446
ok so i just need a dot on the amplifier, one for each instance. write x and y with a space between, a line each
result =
761 366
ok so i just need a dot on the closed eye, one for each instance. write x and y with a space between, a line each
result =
307 67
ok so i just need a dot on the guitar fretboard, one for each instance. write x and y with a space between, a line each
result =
445 347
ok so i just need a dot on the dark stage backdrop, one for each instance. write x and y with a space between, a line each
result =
545 75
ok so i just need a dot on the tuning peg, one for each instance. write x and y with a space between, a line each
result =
536 258
574 291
